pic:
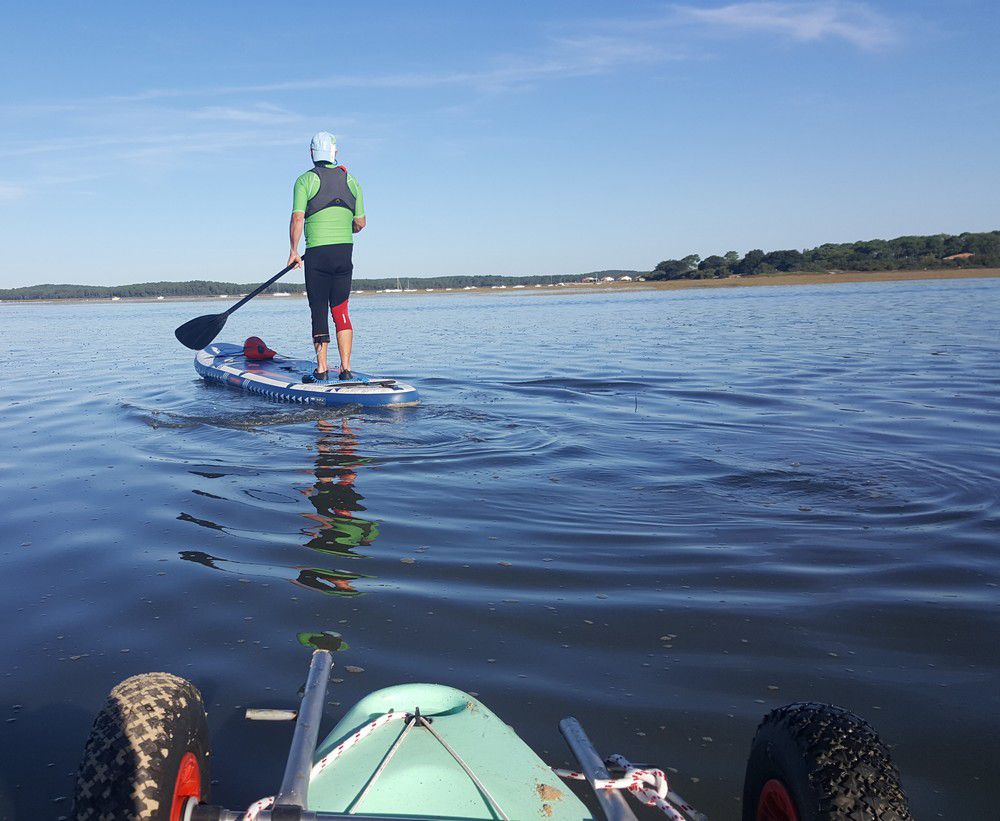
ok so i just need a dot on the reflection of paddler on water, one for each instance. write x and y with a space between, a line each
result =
336 532
329 582
334 496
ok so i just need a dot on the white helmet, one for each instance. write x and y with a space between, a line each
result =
323 147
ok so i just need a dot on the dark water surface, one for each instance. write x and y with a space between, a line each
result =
664 513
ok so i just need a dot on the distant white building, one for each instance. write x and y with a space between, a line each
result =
625 278
281 293
608 279
116 299
159 297
641 279
518 286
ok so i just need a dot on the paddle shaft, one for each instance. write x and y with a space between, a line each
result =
256 291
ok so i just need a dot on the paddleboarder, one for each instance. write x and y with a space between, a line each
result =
328 204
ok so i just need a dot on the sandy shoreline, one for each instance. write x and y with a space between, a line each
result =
598 287
828 279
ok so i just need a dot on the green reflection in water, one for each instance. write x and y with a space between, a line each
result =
336 529
323 640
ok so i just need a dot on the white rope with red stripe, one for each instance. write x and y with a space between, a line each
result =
266 803
648 786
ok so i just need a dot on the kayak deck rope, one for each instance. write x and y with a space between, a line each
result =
266 803
417 720
407 726
647 785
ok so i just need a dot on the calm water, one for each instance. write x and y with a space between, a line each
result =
664 513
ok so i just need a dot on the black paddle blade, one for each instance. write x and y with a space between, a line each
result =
199 332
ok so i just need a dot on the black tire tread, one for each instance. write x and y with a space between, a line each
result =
121 777
850 768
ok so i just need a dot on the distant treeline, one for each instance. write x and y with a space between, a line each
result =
201 287
903 253
968 250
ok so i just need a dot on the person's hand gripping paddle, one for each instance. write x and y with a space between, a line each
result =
199 332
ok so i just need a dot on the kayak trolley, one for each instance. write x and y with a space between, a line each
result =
416 752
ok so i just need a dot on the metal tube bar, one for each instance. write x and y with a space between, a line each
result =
592 766
265 815
353 807
294 790
216 814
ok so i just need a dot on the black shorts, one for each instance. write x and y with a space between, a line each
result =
329 269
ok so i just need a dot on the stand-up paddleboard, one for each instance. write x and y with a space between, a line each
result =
282 378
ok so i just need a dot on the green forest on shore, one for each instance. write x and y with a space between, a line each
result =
936 251
199 287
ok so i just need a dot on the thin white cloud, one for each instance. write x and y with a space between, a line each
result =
15 192
491 78
11 191
856 23
563 57
585 48
155 127
260 114
159 124
140 145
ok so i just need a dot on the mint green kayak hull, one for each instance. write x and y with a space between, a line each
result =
422 778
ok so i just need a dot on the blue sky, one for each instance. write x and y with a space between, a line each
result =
146 141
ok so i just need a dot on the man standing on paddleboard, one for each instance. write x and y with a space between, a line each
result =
328 203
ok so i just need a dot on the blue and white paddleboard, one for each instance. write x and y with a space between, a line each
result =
281 378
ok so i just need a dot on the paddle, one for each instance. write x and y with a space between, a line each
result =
199 332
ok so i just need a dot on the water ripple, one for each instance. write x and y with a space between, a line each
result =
678 510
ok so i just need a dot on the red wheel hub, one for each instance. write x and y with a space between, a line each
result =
775 804
188 785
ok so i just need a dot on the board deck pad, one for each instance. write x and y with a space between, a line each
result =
284 377
359 379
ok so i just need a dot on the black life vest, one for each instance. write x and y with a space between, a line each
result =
333 192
